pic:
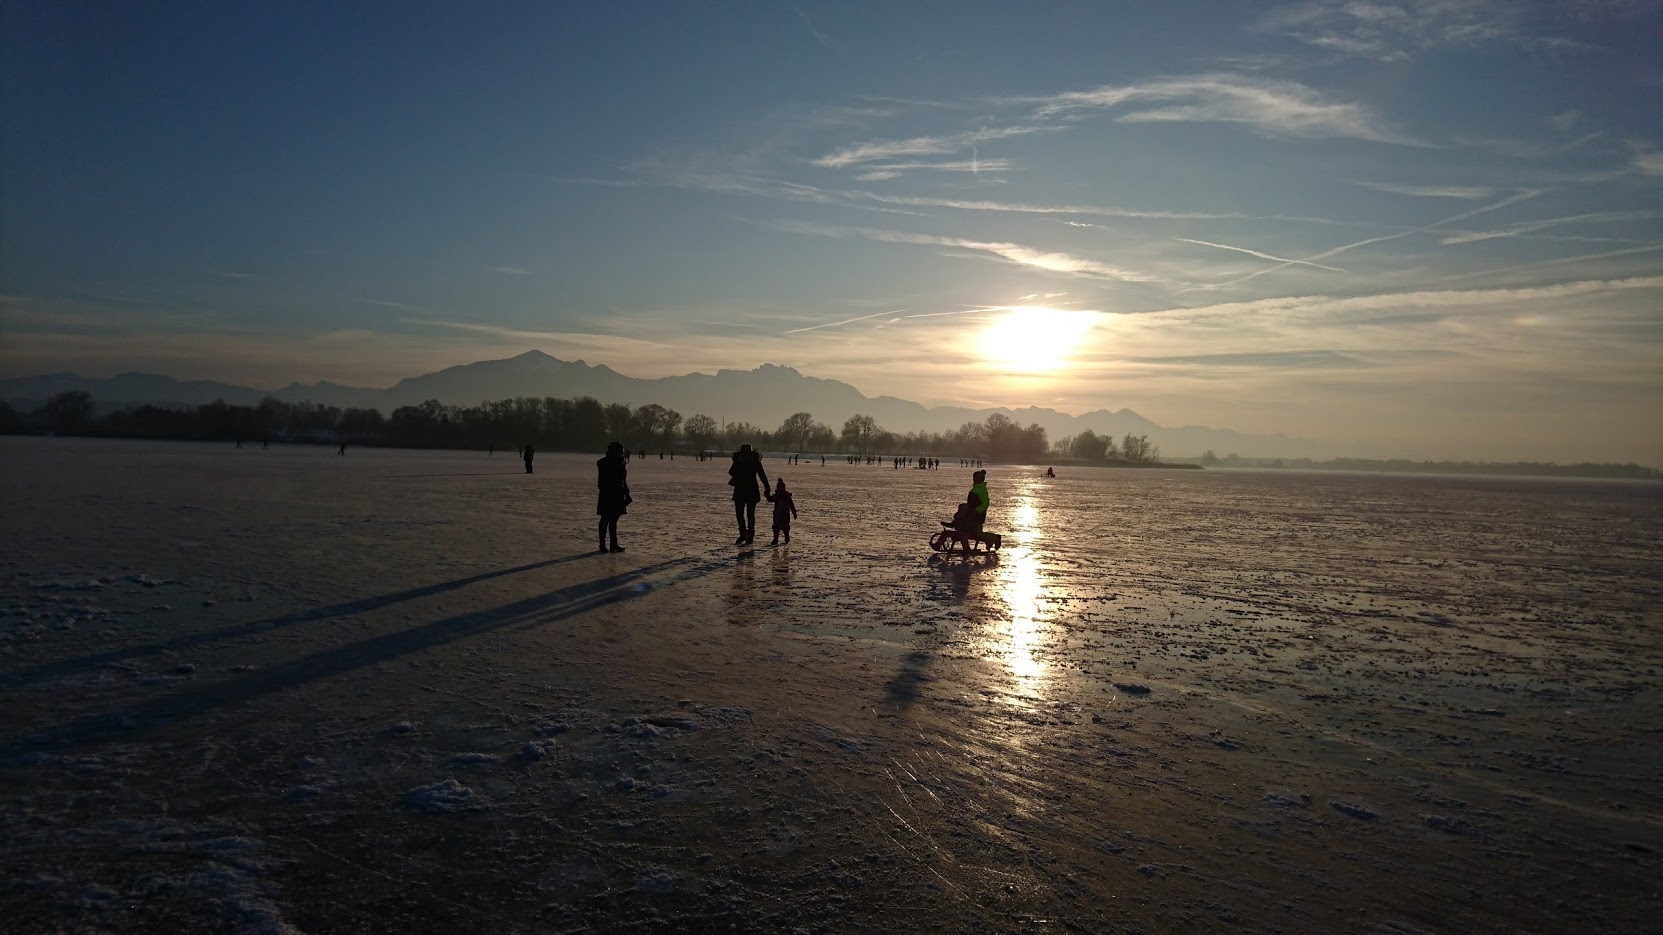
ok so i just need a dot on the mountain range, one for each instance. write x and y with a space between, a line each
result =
764 396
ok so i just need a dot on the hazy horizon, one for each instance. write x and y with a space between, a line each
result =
1436 226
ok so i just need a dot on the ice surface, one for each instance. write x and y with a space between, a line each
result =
250 690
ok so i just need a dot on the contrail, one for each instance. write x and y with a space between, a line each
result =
846 321
1262 256
1511 199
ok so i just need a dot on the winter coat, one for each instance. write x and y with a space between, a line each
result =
614 489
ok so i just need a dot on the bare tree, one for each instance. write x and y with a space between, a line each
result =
69 410
700 431
794 431
859 431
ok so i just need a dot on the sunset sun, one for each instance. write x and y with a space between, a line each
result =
1034 339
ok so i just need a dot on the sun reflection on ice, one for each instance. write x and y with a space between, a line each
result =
1022 587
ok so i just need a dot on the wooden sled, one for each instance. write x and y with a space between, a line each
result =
946 539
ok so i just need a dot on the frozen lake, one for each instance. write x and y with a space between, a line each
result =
283 690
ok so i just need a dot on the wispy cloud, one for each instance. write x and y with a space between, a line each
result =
401 306
510 271
826 41
1391 31
1469 192
1648 160
1020 254
1526 227
895 169
879 150
1304 307
1557 261
1270 106
695 179
596 339
962 204
1274 360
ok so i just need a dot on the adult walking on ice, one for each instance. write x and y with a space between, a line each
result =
743 475
612 479
528 452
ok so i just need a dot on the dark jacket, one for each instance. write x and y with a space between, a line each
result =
744 475
614 490
785 507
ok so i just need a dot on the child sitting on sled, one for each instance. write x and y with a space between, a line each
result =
967 518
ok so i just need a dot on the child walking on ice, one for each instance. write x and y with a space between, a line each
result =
785 509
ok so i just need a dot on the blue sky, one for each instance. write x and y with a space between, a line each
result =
1424 227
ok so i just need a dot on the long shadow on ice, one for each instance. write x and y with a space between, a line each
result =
543 609
904 688
458 474
956 574
191 641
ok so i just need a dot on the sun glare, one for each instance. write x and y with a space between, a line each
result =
1031 339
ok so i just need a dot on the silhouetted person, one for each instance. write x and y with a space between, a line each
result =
239 442
785 510
965 518
265 442
612 479
528 452
341 450
743 475
1050 473
491 450
978 490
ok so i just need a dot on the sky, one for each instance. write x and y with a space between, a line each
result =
1425 228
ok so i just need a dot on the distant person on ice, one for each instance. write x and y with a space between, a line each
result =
528 452
743 475
614 500
785 510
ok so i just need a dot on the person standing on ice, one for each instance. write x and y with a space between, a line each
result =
612 479
785 510
528 452
743 475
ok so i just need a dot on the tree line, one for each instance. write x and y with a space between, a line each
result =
1090 447
582 423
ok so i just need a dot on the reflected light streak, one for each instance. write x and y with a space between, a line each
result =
1023 590
1023 595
